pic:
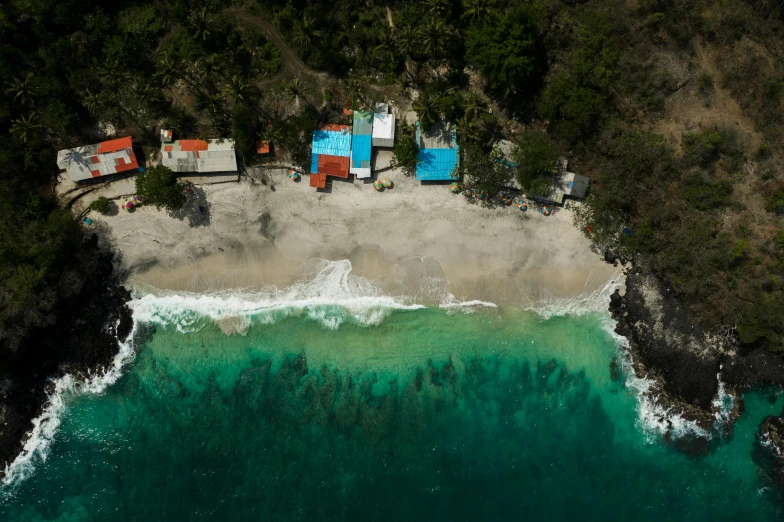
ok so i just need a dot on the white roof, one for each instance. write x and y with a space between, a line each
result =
384 126
219 157
82 162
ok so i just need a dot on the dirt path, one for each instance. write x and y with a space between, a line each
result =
292 66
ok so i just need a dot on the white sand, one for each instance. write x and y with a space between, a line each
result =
415 240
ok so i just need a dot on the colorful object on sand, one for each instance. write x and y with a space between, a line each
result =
545 210
293 175
88 221
128 205
454 187
386 182
468 193
522 205
507 201
378 185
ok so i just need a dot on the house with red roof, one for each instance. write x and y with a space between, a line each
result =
98 160
199 156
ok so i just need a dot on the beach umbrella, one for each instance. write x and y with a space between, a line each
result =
128 205
387 182
454 187
545 210
378 185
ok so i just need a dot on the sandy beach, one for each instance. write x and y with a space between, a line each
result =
414 240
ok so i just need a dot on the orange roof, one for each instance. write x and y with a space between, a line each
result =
115 145
193 145
334 127
348 112
262 147
168 148
333 165
95 173
318 180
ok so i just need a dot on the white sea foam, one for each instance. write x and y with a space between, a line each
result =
45 426
327 292
589 301
653 419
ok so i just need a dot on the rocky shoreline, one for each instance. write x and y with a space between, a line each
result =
83 341
688 365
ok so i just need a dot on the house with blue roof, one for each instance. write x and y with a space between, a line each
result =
439 154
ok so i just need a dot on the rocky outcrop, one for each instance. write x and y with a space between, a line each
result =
667 347
768 451
82 341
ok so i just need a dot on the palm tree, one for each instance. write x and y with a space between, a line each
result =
238 88
201 24
435 8
386 47
474 107
427 109
110 73
477 10
95 103
272 134
210 103
305 33
355 91
168 70
22 90
296 90
433 38
26 129
407 39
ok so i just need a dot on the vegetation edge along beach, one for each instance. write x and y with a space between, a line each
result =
673 110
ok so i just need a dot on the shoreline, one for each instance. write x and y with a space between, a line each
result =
416 240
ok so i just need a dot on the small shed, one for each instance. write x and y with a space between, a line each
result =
383 126
439 154
167 135
262 147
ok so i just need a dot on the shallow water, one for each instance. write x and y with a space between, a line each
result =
497 414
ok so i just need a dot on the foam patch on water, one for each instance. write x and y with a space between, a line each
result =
653 419
327 292
45 426
589 301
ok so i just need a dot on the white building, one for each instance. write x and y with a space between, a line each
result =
383 126
199 156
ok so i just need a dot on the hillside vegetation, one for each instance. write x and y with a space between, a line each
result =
673 108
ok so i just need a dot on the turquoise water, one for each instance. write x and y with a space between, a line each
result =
492 415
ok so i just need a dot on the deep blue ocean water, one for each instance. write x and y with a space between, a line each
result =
499 414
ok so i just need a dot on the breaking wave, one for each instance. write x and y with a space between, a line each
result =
326 292
45 426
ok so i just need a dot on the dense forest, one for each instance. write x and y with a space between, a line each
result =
674 109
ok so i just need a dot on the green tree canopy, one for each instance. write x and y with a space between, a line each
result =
101 205
536 158
504 49
159 186
406 150
486 171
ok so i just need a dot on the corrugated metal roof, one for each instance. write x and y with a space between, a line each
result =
100 159
436 164
384 130
332 143
200 156
363 123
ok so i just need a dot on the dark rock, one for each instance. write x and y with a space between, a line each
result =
768 451
83 340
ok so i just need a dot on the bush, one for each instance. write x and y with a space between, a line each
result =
101 205
159 186
406 150
536 159
776 202
705 194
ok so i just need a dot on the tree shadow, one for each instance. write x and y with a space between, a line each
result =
196 208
